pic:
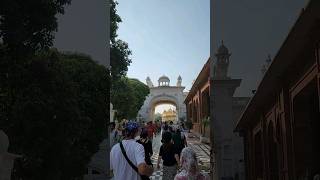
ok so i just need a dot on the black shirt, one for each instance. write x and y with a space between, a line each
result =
147 151
168 155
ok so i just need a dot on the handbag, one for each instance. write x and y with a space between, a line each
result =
143 177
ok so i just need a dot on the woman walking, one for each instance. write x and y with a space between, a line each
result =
147 146
179 141
189 164
170 157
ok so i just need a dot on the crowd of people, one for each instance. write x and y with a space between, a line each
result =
130 156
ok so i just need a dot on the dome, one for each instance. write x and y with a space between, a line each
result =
223 49
164 78
164 81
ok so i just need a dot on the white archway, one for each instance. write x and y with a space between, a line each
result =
163 99
163 93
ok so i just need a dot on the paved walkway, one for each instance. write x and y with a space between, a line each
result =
202 151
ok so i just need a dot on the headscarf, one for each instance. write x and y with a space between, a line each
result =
189 161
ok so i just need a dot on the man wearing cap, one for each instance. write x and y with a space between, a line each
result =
134 151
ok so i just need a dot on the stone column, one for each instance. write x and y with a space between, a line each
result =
6 159
222 93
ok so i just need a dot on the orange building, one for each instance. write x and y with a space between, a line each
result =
198 99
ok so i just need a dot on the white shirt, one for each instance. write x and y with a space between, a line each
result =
118 163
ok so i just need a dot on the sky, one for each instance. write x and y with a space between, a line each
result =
171 37
167 37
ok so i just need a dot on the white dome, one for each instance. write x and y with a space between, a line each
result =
164 79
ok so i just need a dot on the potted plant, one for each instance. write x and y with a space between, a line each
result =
205 123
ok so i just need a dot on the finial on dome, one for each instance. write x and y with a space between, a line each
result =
149 82
179 82
223 50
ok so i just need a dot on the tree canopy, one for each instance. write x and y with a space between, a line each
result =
29 26
58 117
127 95
53 106
119 50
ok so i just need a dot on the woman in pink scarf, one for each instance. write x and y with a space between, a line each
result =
189 164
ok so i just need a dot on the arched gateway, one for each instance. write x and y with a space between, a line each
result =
163 94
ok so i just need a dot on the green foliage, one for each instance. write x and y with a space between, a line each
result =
119 50
114 20
119 59
58 116
128 97
28 26
53 106
205 123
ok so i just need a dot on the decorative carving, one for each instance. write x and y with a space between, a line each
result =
222 64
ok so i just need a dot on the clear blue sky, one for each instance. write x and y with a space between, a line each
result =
167 37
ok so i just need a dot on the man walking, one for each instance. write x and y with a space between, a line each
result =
151 130
127 158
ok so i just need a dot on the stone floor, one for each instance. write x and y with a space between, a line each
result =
202 151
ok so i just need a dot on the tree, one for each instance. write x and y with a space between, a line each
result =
119 50
129 97
53 104
58 119
28 26
119 59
